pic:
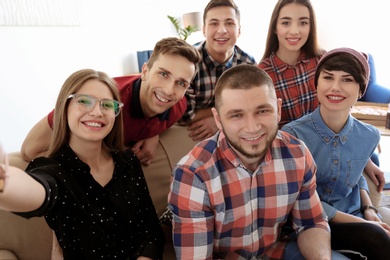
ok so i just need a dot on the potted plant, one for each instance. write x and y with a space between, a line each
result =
182 32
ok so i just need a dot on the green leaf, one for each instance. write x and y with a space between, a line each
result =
175 23
182 33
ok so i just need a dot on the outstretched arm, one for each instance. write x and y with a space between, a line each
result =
37 140
21 193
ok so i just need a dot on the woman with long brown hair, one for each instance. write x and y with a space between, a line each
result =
90 189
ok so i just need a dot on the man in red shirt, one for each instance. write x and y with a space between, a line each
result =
153 101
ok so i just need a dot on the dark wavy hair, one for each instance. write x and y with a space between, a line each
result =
311 46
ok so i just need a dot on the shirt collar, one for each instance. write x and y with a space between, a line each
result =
66 157
326 133
136 109
210 62
228 152
281 66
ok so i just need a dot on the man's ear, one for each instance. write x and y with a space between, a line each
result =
145 70
217 118
279 106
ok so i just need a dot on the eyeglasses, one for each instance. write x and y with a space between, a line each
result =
108 107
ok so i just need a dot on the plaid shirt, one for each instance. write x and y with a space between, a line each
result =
200 94
222 210
294 85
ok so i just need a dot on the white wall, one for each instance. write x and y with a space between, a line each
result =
35 61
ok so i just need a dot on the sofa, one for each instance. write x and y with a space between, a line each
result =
375 92
32 239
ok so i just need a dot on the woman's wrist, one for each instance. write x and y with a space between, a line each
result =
365 207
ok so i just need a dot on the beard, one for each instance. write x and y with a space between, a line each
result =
253 152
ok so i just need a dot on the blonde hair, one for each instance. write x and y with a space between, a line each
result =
114 141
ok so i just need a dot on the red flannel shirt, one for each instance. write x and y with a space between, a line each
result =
221 210
294 85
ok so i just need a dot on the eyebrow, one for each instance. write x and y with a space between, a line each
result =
165 70
217 20
234 110
345 74
289 18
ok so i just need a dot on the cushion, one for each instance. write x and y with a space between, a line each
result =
26 238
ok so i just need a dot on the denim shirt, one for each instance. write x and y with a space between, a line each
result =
340 159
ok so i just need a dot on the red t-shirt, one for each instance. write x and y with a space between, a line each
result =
136 126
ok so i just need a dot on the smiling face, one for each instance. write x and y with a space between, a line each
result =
221 29
337 91
90 126
165 83
292 27
249 119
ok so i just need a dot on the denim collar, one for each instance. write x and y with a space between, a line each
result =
326 134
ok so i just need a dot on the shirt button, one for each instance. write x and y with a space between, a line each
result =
334 179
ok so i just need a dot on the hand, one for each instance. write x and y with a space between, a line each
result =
382 225
3 167
377 176
146 149
369 214
203 128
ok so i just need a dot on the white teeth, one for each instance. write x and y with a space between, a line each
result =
335 98
94 124
252 139
162 99
293 40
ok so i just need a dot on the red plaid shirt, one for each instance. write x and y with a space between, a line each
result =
223 211
294 85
